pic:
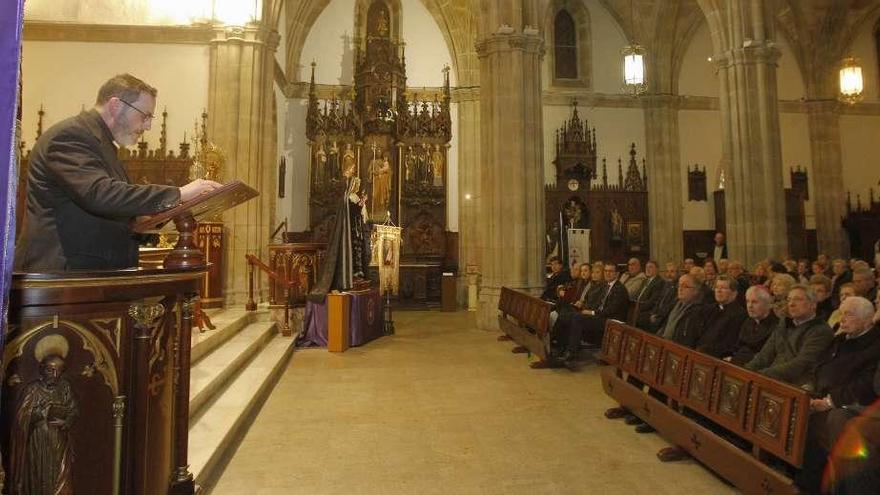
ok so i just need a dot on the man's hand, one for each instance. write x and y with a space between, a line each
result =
819 405
197 187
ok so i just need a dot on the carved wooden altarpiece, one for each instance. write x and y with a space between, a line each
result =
616 214
397 144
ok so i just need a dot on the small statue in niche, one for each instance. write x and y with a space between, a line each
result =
320 159
382 24
573 214
424 163
411 163
348 158
41 460
616 225
333 168
380 170
437 166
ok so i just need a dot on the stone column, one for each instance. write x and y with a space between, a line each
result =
664 179
828 193
510 208
468 184
242 121
751 150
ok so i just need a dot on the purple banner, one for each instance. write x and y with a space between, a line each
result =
11 14
364 317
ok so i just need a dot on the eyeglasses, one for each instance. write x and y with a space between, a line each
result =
145 115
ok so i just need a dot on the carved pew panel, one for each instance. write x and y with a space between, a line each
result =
771 415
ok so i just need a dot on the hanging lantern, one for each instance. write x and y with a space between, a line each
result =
634 69
851 82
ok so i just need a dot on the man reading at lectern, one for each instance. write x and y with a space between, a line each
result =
79 197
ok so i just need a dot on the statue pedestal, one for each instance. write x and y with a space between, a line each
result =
337 322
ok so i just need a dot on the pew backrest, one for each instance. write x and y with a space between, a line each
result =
526 309
772 415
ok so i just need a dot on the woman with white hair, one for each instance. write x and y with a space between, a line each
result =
780 284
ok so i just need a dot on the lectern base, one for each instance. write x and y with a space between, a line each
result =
185 254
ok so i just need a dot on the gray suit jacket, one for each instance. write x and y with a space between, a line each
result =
792 351
80 201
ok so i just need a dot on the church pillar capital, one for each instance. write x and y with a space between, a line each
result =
496 43
251 35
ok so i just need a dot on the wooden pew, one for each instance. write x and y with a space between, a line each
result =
771 415
525 319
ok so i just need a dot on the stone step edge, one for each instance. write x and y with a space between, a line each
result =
210 473
199 402
221 335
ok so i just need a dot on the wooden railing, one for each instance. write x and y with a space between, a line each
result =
770 415
289 286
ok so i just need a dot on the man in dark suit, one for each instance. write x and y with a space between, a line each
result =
589 324
649 295
79 199
557 277
723 320
756 329
719 250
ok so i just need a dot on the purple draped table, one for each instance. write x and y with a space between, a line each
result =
364 316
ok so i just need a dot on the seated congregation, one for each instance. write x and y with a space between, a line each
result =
810 328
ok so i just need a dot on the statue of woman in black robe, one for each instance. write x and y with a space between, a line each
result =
348 252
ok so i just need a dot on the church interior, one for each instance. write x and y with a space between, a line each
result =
431 207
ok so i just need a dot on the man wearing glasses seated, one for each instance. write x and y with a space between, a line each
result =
80 201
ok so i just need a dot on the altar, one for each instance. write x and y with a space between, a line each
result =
364 318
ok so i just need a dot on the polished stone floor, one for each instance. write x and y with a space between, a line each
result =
443 408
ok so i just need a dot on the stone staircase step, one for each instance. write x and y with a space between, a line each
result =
215 433
227 323
213 372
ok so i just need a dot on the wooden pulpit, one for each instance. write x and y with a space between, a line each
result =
96 369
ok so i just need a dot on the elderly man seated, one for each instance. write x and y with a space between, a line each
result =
790 353
722 320
756 329
649 296
633 279
841 385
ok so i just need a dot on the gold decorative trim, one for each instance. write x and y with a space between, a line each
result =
107 281
109 33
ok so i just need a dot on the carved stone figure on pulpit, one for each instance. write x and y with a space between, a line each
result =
437 166
380 172
41 458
